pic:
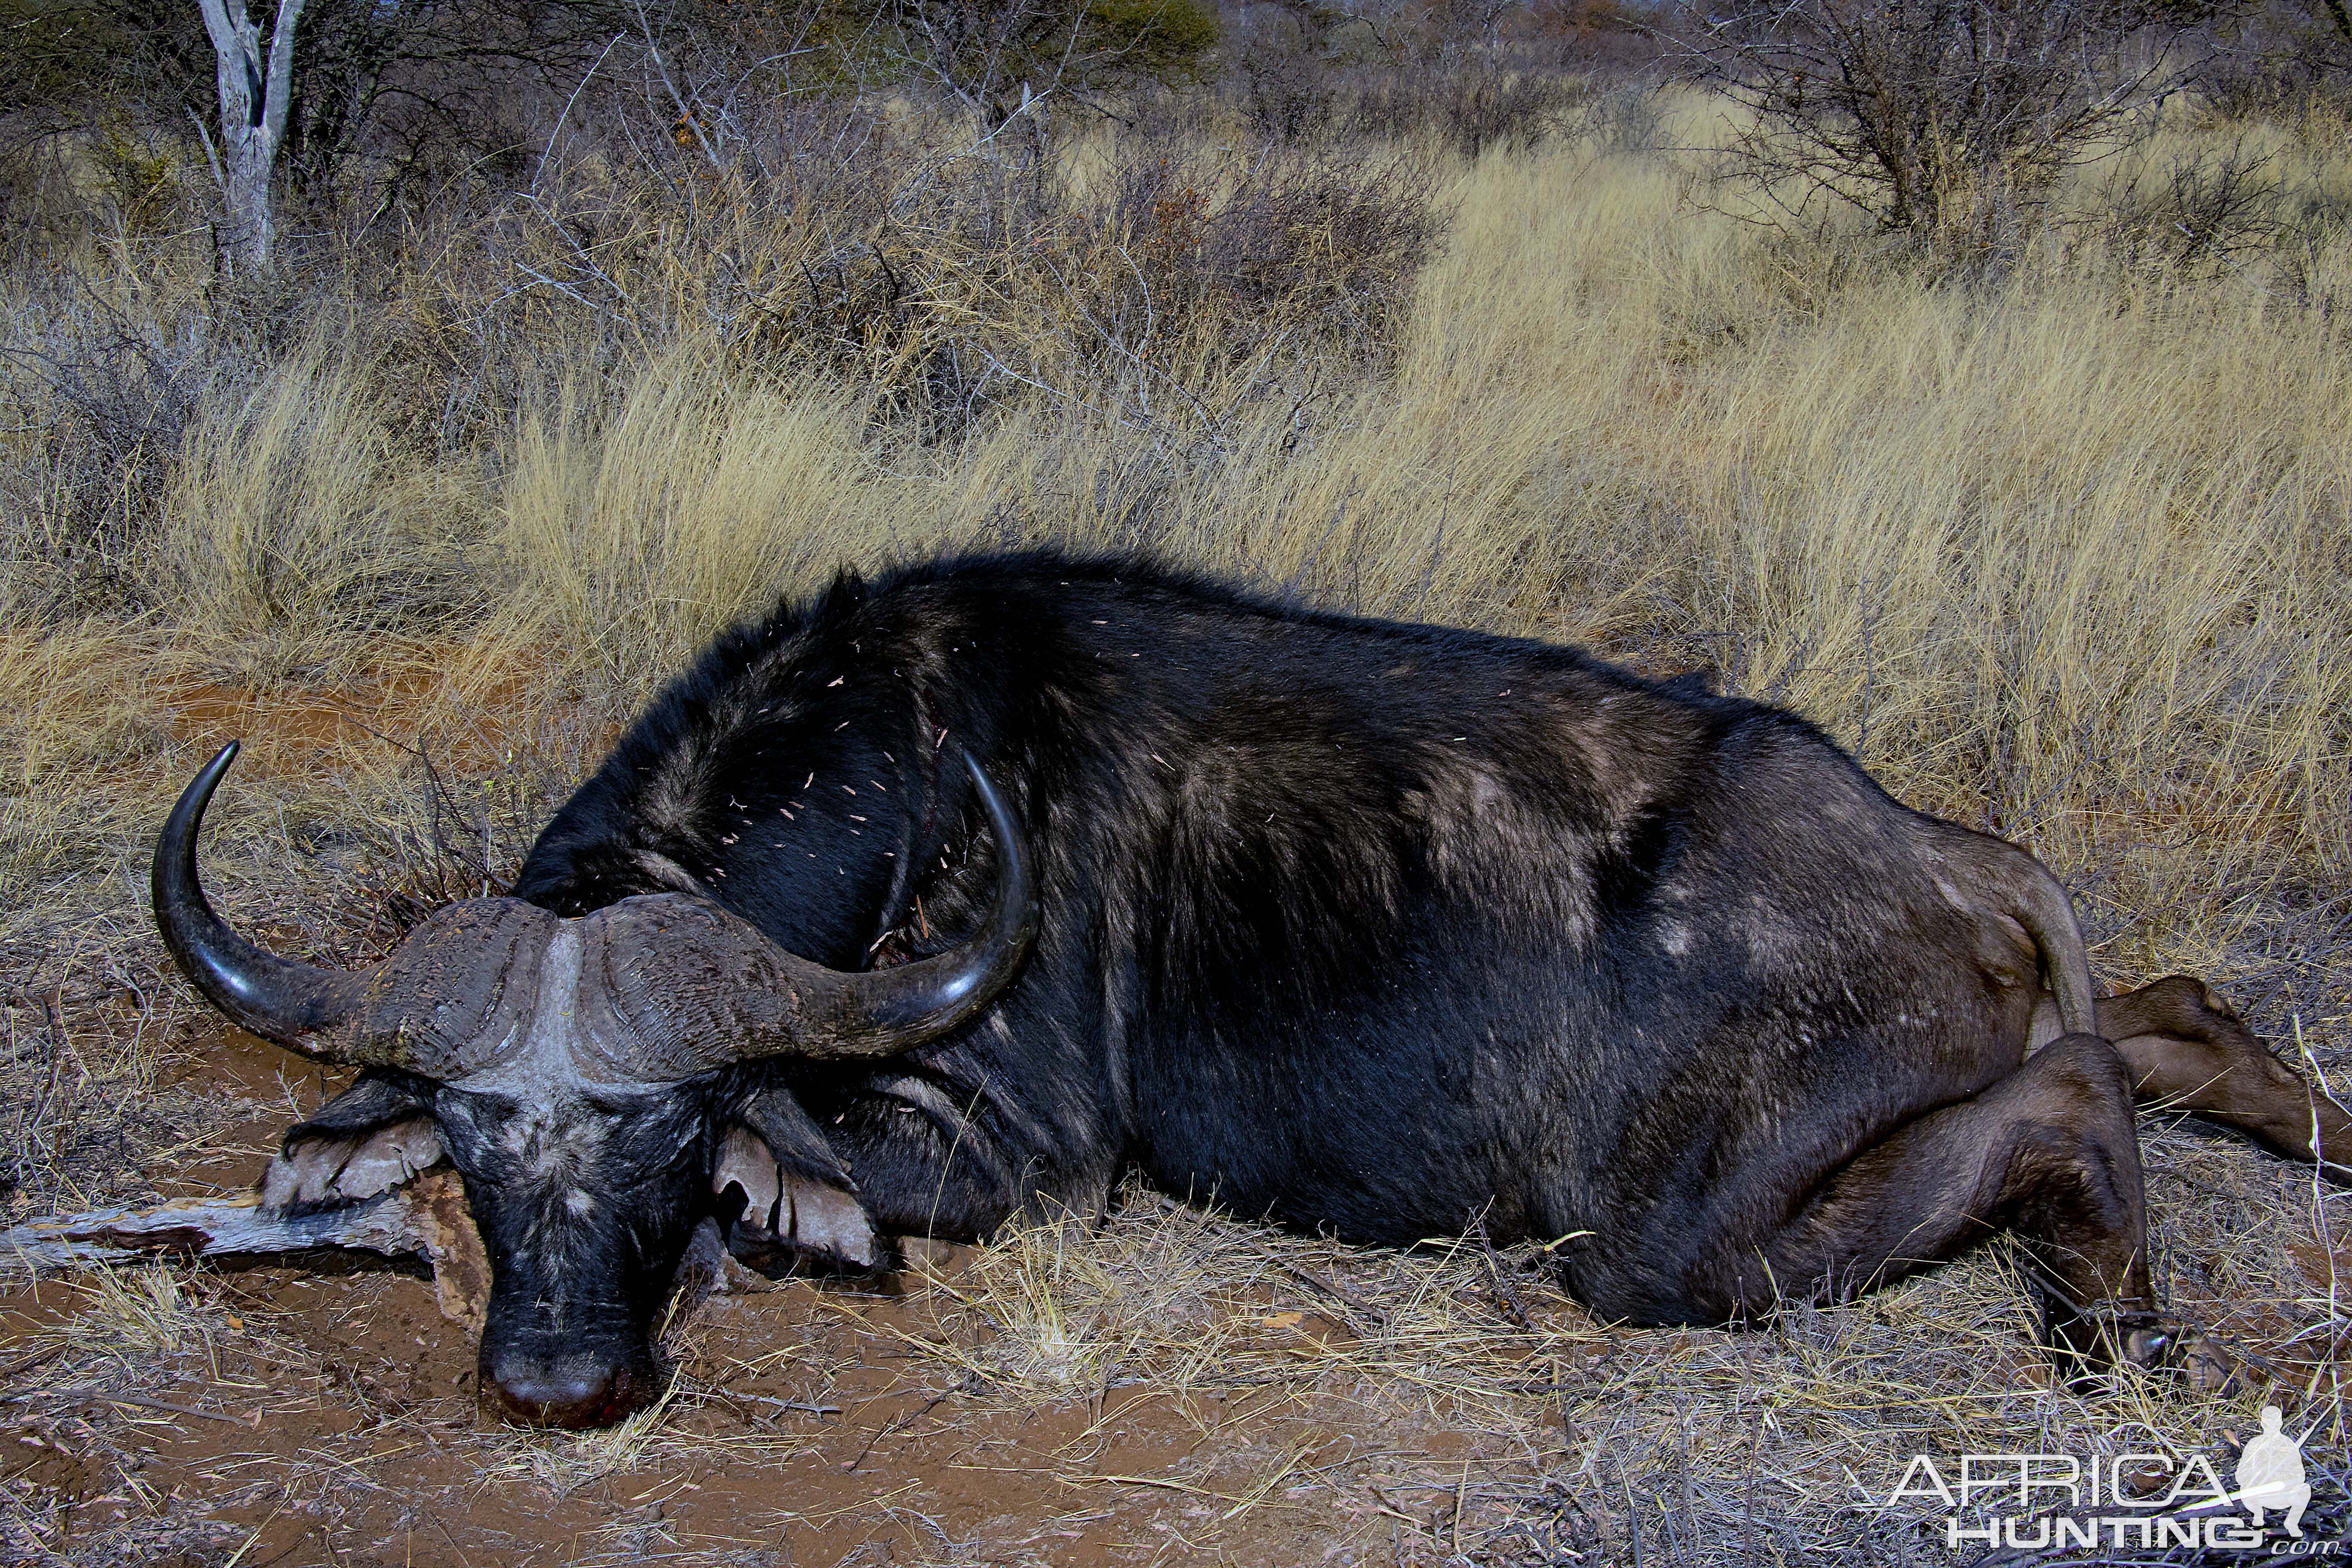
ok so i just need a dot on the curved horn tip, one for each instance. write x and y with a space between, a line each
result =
936 995
173 874
274 998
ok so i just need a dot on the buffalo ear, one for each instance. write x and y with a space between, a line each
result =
368 1139
798 1200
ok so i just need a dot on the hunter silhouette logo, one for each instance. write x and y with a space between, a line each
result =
2270 1474
2149 1501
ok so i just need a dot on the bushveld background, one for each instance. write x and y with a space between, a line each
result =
2005 431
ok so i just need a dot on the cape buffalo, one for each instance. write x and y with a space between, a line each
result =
967 889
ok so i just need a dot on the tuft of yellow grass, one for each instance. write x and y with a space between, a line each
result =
134 1314
298 532
636 527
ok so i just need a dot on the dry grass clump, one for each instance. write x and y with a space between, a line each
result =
668 509
1163 1292
135 1315
298 533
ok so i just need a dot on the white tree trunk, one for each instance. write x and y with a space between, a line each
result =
253 104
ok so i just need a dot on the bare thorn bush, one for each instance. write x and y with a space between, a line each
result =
1949 122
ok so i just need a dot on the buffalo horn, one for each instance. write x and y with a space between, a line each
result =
741 996
293 1004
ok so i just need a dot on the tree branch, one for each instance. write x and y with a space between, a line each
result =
426 1218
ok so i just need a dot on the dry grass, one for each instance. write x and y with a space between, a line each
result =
2062 553
298 533
1774 1442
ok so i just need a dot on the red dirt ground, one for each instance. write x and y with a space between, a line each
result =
312 1416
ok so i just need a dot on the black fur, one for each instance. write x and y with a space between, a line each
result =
1359 925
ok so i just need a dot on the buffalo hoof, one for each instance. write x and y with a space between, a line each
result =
809 1225
787 1216
572 1392
2206 1367
2088 1345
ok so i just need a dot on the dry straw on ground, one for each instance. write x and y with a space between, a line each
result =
2062 552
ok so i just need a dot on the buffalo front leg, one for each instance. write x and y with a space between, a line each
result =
940 1158
2049 1153
2189 1050
799 1202
943 1149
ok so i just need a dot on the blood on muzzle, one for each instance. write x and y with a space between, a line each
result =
568 1390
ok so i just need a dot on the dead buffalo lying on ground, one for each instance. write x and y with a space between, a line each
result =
1359 925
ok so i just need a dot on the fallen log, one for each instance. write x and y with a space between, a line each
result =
426 1218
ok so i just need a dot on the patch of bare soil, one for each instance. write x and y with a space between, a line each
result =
325 1412
248 1092
333 1419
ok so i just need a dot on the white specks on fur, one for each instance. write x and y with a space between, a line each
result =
1674 938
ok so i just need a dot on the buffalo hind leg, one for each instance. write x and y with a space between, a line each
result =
2049 1153
2189 1050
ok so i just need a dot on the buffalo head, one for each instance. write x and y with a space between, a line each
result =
577 1074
